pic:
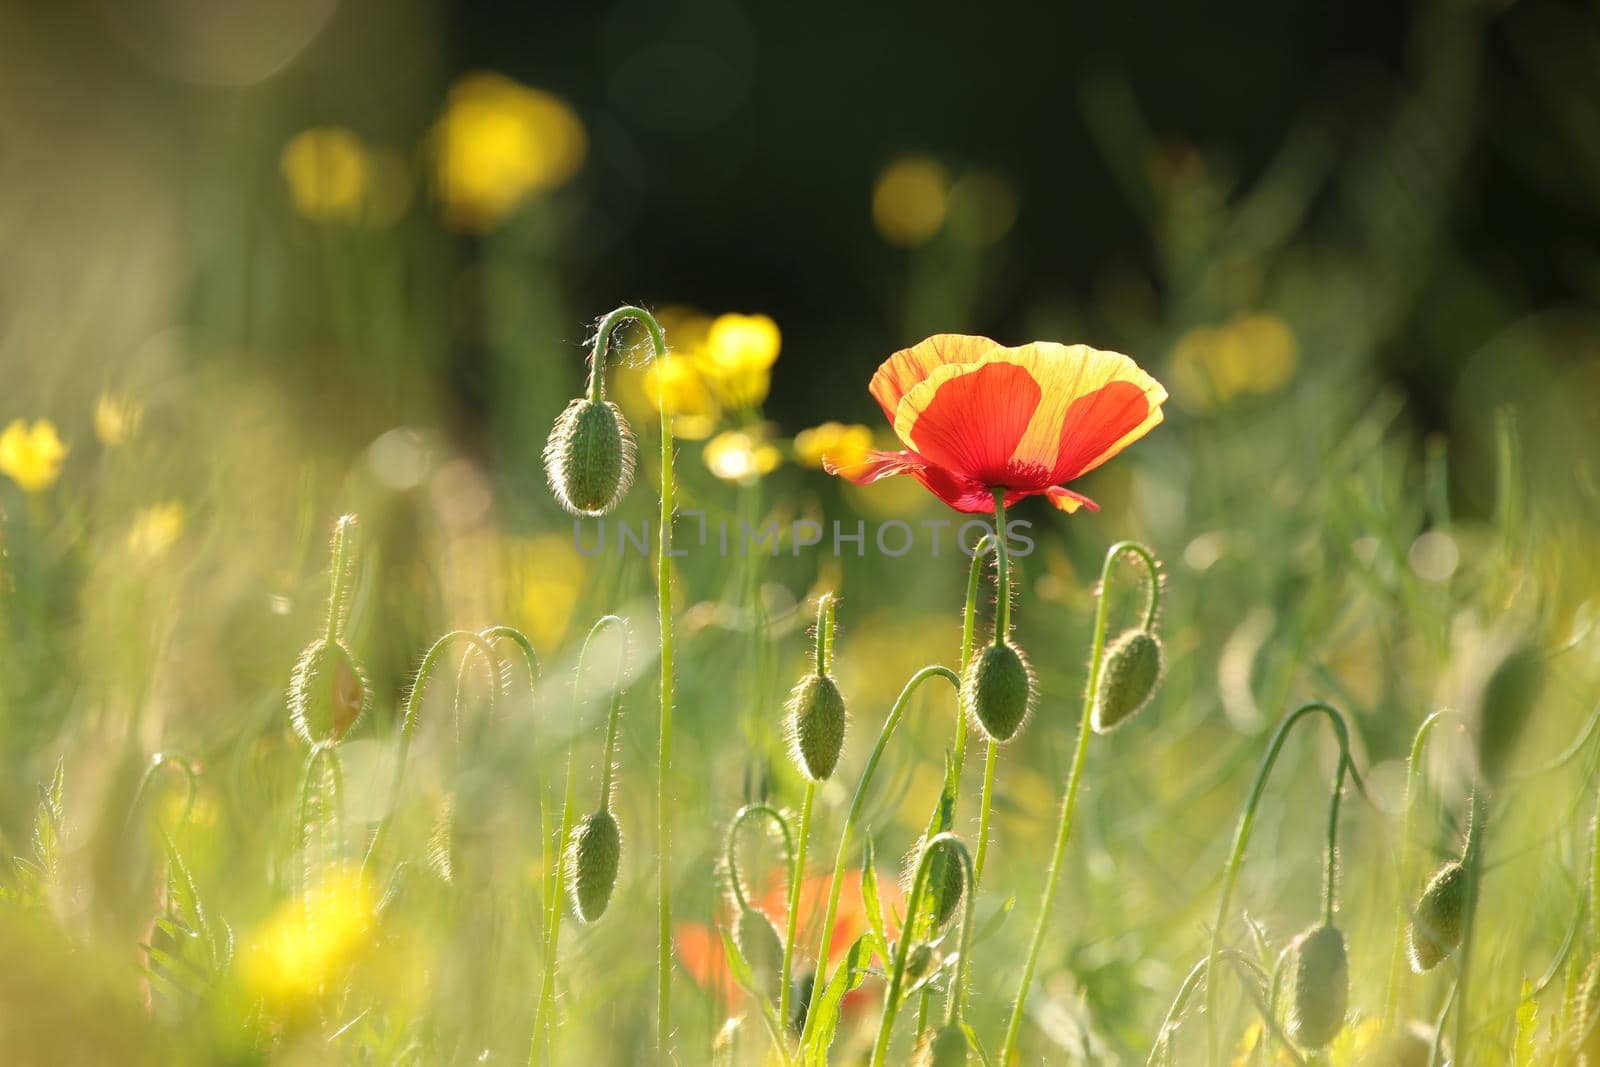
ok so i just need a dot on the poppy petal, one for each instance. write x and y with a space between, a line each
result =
1066 500
903 370
970 420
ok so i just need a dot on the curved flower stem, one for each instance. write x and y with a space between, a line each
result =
1419 744
1241 838
1069 801
543 1024
157 762
856 803
919 888
730 848
824 660
658 344
338 575
530 660
408 726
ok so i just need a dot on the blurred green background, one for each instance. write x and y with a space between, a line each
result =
261 265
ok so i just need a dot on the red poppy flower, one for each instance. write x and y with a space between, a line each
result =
976 416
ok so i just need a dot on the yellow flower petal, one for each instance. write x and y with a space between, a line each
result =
32 456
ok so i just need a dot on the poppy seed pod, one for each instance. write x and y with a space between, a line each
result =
1321 987
999 690
1128 678
945 1047
590 456
816 725
327 692
761 948
595 854
1436 921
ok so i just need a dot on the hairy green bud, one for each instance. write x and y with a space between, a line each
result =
590 456
762 948
1321 987
1436 921
1128 677
946 881
816 725
327 692
945 1047
999 690
594 856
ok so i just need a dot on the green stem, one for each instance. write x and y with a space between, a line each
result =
992 755
792 917
1472 862
324 756
407 728
608 767
553 893
824 642
1330 886
919 888
1241 838
854 814
157 762
1406 865
343 535
1069 801
658 344
730 849
1002 574
530 660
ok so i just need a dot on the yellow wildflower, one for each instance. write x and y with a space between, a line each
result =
499 142
737 358
676 382
544 577
741 456
910 200
116 419
328 173
156 529
1252 353
32 456
844 445
306 944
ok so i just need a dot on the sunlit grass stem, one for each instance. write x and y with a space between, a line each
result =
846 834
1069 801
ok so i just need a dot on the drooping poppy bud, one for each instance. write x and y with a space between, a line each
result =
590 456
945 1047
1128 677
999 690
1321 987
595 854
762 948
1436 921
